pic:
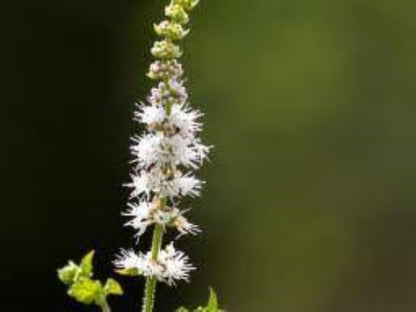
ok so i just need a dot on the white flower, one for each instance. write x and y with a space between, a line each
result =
170 266
141 216
185 119
146 213
155 181
181 119
140 184
128 259
151 149
149 114
176 265
188 185
199 153
185 227
157 149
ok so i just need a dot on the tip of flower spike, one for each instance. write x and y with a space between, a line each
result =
187 4
177 13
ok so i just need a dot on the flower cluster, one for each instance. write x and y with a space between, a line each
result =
144 214
171 264
165 156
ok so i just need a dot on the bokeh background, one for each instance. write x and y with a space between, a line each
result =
310 200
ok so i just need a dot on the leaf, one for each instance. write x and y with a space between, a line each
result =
86 291
69 273
212 305
112 287
86 264
129 272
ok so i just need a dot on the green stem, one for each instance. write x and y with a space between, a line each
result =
149 294
150 288
105 307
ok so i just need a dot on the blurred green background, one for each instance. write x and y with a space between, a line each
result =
310 197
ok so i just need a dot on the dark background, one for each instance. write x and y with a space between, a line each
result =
310 200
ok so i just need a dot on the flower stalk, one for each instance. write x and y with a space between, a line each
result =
105 307
164 158
150 287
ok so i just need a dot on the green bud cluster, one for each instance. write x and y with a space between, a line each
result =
171 30
165 49
187 4
177 13
82 287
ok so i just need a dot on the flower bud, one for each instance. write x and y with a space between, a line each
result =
165 69
187 4
171 30
177 13
165 49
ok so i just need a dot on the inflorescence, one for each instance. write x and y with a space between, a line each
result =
164 157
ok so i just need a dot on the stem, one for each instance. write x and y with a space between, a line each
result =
105 307
157 240
150 288
149 294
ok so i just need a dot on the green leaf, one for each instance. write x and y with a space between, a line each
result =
86 291
112 287
69 273
212 305
86 264
129 272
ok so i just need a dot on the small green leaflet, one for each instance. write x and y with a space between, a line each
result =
212 305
